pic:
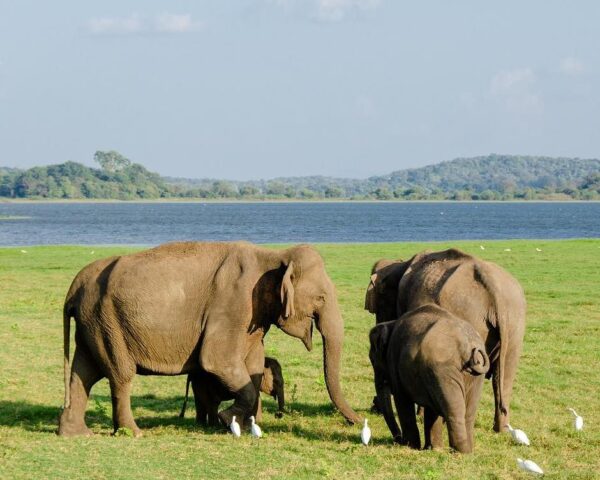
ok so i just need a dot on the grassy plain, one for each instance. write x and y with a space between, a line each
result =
560 368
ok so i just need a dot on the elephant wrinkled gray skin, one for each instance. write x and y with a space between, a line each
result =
481 293
182 307
209 393
430 357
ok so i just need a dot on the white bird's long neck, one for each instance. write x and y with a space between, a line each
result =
510 429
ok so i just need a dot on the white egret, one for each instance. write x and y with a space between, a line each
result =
235 428
507 250
255 430
577 421
529 466
538 249
23 251
482 247
519 436
365 434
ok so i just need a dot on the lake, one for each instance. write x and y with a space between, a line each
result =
154 223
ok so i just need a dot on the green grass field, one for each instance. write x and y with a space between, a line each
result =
560 368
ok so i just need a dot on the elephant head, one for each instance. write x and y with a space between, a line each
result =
308 298
382 292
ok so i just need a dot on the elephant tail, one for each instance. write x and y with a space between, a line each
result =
499 317
187 394
67 314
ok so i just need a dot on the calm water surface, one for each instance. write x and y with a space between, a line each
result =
154 223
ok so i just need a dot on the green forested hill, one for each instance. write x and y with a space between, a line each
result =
492 177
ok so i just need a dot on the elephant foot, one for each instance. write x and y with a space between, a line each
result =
278 414
500 425
128 432
226 416
70 425
375 406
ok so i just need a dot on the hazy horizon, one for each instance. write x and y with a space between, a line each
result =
258 89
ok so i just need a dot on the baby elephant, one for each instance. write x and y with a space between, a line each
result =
209 393
432 358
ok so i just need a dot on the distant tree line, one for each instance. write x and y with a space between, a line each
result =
493 177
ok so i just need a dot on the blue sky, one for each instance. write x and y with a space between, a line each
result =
266 88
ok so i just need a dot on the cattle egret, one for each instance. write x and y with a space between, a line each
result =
519 436
255 430
365 434
23 251
507 249
577 421
529 466
538 249
235 428
92 252
482 247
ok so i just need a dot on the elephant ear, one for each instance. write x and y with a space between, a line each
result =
379 337
370 297
287 292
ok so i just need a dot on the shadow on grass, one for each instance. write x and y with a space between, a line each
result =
44 418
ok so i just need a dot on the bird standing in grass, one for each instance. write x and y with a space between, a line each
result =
529 466
255 430
519 436
577 421
235 428
365 434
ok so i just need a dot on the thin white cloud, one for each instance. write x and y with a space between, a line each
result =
174 23
516 89
328 11
135 24
116 26
571 66
336 10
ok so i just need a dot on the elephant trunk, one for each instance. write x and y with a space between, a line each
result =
331 326
280 398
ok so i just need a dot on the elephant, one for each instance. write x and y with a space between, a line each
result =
480 292
435 359
209 393
183 307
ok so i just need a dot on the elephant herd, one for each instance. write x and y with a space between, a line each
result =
444 320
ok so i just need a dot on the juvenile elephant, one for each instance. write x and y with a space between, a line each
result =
435 359
184 307
209 393
481 293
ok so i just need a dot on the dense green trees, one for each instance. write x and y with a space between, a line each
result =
493 177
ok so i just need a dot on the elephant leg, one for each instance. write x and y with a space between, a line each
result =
501 419
120 391
408 420
455 420
258 416
84 374
474 388
199 388
433 429
255 362
234 376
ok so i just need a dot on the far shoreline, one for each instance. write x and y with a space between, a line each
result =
21 201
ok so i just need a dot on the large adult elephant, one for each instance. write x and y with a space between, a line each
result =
480 292
180 307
